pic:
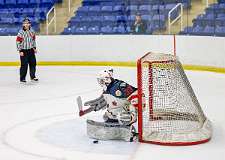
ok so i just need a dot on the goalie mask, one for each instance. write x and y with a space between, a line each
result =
105 78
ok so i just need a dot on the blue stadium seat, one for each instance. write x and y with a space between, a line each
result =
12 12
128 29
197 30
48 1
23 2
107 9
119 30
132 8
2 31
12 31
221 15
210 16
83 9
219 22
76 19
94 24
208 31
108 23
81 13
145 7
204 20
3 10
82 24
221 1
97 18
212 22
149 29
10 3
170 6
222 5
105 3
158 17
109 18
93 30
106 30
94 13
131 18
85 19
2 2
116 16
118 8
66 31
33 2
158 25
6 20
121 18
81 30
106 13
221 19
146 17
29 12
94 9
158 7
3 15
220 31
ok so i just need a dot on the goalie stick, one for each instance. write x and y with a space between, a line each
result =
80 107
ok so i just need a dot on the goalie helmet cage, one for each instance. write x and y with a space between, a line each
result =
168 110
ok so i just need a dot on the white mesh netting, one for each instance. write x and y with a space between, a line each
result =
171 114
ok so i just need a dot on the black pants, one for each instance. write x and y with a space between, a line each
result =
28 58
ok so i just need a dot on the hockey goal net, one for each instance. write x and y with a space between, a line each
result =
168 112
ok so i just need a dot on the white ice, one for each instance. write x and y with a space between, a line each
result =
41 122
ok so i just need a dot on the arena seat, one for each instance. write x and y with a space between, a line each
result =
111 14
12 13
212 21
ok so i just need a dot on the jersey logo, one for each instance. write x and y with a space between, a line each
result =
118 93
114 103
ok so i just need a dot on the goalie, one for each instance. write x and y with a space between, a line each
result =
120 101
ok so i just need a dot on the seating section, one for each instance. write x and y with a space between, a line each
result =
211 23
117 16
12 12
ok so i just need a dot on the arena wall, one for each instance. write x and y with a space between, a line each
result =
118 49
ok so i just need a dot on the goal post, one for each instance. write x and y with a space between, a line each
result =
168 112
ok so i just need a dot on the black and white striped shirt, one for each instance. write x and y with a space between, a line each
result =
26 39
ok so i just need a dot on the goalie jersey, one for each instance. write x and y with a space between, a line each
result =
119 89
116 95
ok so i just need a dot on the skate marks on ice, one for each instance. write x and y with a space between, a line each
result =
60 137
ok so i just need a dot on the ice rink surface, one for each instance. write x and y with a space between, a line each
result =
40 121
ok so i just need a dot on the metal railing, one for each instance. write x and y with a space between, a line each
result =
180 16
52 19
207 3
69 5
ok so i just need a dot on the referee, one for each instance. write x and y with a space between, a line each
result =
26 45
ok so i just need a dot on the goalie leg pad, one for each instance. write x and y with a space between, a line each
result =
108 131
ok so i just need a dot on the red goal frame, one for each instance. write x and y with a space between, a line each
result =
140 104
